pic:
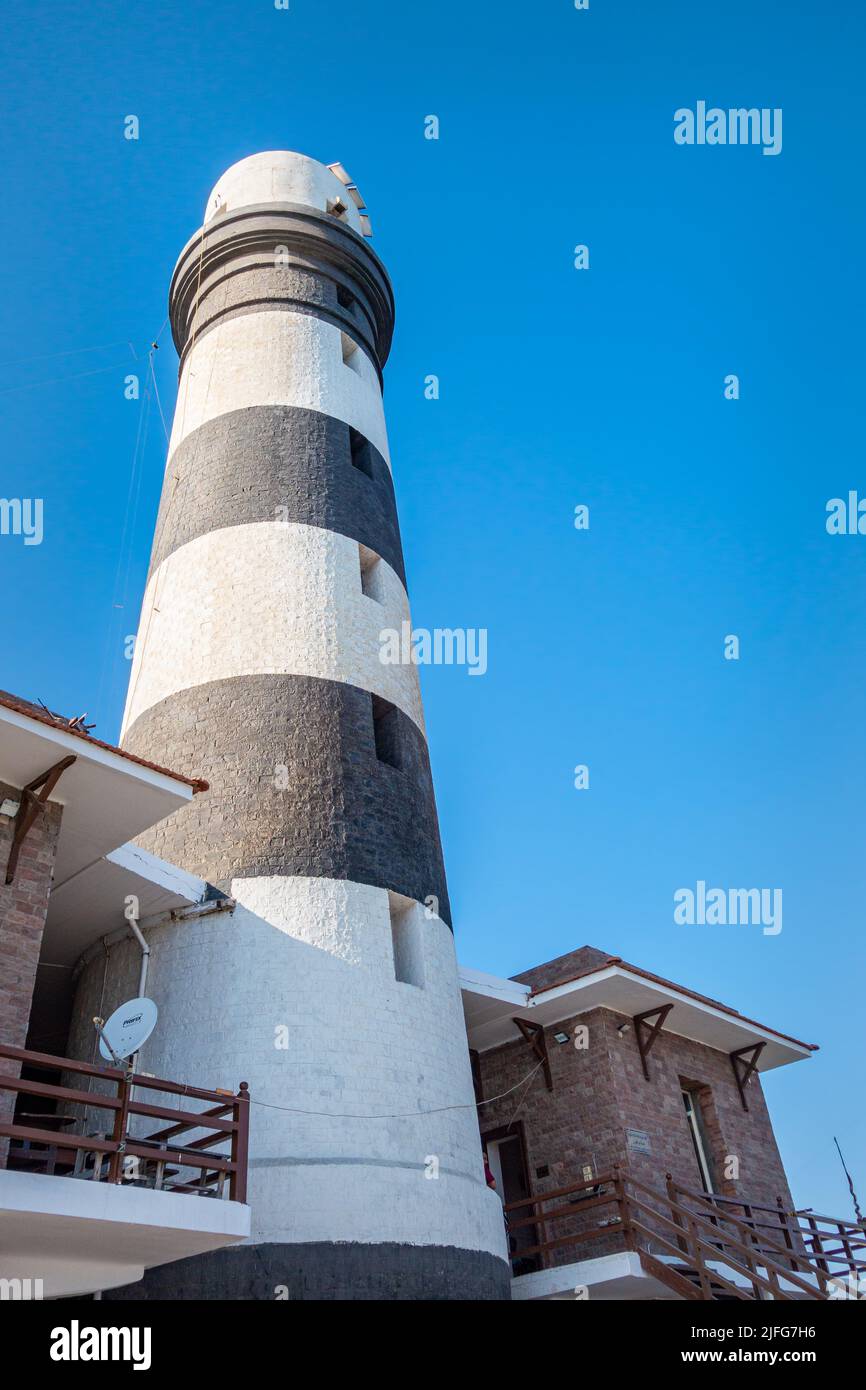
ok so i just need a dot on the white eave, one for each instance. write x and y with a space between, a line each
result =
490 1005
89 907
91 904
107 798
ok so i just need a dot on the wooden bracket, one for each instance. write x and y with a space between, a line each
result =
30 806
533 1033
744 1062
645 1041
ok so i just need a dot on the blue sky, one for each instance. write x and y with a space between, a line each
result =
558 387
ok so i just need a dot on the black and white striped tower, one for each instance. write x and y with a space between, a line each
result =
276 564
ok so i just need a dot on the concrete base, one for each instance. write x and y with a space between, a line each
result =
619 1277
71 1236
332 1273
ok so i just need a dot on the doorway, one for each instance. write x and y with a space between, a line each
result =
506 1156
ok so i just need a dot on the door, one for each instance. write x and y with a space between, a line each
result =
507 1162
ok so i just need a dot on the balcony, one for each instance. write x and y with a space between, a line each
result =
618 1238
93 1194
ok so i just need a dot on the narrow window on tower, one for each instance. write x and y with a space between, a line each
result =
351 353
386 731
371 574
360 454
407 941
345 298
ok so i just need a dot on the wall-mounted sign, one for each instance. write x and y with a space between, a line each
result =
638 1141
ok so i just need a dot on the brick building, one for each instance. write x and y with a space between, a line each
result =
604 1066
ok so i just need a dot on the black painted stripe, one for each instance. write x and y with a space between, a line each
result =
313 240
262 285
329 1271
245 465
344 813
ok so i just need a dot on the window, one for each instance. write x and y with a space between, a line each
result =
694 1121
351 353
386 731
371 574
407 941
345 298
337 208
359 451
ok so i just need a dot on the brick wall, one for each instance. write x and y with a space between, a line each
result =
600 1092
23 904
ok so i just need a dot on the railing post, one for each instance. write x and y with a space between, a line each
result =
670 1188
749 1219
822 1269
240 1144
623 1207
767 1262
783 1220
700 1266
753 1248
538 1210
846 1245
121 1123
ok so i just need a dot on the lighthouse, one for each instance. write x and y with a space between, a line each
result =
330 982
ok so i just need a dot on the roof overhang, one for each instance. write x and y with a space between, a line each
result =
89 907
490 1006
91 904
108 798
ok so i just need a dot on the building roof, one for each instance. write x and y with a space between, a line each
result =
588 979
603 960
108 796
76 729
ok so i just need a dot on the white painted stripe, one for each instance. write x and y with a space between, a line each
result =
302 1002
268 597
277 357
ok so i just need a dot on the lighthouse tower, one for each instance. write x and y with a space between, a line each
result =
331 986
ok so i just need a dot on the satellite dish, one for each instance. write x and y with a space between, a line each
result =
128 1028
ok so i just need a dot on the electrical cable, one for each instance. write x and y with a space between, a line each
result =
67 352
159 405
59 380
406 1115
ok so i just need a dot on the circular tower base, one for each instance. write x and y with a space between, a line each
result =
325 1271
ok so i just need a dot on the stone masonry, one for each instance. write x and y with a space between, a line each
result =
23 904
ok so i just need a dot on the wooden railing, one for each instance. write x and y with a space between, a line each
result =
121 1153
699 1245
835 1248
842 1243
